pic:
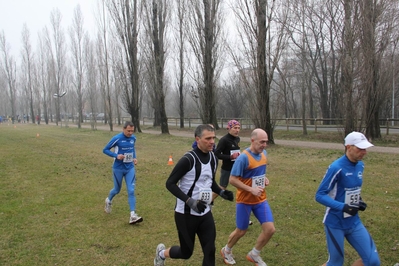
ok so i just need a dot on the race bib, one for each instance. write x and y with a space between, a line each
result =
352 198
205 194
234 151
128 157
258 181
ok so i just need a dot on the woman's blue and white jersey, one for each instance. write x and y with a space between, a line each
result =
121 145
341 185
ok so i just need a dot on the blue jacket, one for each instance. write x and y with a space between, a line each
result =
121 145
341 185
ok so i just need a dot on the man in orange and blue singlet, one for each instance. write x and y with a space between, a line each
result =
248 175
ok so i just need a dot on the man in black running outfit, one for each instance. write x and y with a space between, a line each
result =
192 182
227 150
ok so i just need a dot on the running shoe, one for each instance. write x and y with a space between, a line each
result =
256 259
108 206
158 261
134 219
228 257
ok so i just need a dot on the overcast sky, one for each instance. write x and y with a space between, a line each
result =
36 14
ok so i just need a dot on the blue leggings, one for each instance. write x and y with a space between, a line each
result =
358 237
130 179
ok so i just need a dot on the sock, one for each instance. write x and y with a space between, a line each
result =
162 254
132 213
227 249
255 252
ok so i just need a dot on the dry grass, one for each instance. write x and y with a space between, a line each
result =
53 187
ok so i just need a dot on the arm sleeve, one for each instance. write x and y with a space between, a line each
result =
109 146
327 184
215 187
182 167
134 149
219 150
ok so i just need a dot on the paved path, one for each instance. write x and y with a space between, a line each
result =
290 143
337 146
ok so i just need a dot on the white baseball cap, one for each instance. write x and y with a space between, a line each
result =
357 139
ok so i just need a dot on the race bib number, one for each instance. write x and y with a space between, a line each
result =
258 181
128 157
234 151
205 194
352 198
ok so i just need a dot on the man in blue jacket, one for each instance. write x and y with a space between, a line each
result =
340 192
122 148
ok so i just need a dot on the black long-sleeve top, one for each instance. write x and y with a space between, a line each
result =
223 150
185 164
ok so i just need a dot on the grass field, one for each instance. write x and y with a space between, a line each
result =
53 183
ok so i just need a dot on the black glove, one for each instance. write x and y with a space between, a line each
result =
352 210
227 194
362 205
197 205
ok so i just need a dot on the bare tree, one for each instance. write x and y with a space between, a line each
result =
42 80
28 65
374 41
9 68
45 72
286 91
303 69
156 19
77 41
125 17
91 66
347 75
262 33
262 119
103 78
118 81
233 103
104 66
4 99
205 38
180 40
318 24
57 50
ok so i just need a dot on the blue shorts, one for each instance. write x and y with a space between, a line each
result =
358 237
261 211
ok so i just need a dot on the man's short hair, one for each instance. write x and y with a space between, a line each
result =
200 129
128 124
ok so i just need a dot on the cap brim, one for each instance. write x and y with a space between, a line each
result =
364 145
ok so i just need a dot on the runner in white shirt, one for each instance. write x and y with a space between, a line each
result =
192 182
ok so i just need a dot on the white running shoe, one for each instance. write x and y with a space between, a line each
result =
134 219
256 259
228 257
108 206
158 261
